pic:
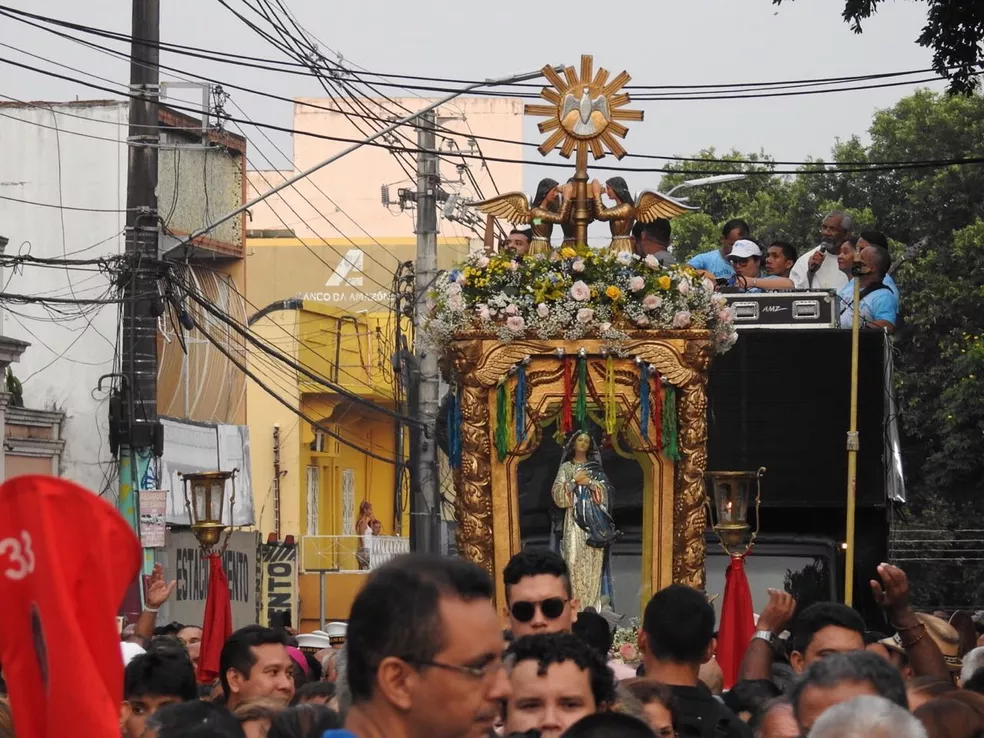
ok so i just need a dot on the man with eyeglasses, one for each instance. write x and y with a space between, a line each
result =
538 593
424 652
556 679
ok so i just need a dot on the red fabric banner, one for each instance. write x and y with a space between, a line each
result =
66 560
737 621
217 626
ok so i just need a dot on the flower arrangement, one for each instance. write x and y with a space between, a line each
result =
624 644
574 293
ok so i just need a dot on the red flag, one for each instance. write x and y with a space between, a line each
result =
218 621
737 621
66 559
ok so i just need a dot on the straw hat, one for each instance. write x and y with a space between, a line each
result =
943 634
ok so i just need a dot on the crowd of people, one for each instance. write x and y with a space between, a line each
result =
744 264
424 655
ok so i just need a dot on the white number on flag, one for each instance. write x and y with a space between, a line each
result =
21 556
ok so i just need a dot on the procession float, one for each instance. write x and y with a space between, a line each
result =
578 375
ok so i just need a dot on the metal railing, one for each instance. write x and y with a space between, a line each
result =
345 554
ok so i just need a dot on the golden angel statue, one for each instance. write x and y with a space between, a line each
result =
542 215
582 490
647 208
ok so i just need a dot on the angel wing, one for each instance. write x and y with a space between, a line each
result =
652 205
512 206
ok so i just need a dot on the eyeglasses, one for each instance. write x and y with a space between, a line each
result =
740 260
476 672
552 608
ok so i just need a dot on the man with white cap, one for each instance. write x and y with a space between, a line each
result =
746 259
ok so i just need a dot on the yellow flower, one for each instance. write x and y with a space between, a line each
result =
613 292
568 253
664 282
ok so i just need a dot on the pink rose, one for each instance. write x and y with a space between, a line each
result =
454 288
636 284
542 310
460 279
483 261
585 315
724 316
628 652
580 291
483 312
604 327
513 266
456 303
642 321
681 319
512 310
577 265
684 287
709 285
515 323
652 262
651 302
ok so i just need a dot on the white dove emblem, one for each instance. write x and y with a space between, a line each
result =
584 107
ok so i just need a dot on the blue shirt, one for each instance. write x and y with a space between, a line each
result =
713 262
337 734
882 304
890 283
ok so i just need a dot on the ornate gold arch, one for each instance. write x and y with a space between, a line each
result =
487 508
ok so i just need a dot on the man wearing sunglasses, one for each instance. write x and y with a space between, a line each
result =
538 593
424 652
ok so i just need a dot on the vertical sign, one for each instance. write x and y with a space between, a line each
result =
348 502
278 584
153 514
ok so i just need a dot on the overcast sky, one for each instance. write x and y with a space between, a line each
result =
680 42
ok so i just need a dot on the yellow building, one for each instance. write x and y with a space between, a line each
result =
327 305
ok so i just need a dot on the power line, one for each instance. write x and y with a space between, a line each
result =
841 169
59 207
260 62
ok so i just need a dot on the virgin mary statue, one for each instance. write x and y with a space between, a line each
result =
582 490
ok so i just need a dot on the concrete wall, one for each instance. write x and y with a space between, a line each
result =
57 156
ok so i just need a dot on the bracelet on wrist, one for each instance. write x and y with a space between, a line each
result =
151 609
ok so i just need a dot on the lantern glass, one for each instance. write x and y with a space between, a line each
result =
205 494
216 499
728 498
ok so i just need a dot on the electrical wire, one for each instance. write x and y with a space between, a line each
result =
59 207
300 68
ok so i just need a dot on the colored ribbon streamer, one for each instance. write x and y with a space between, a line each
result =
671 448
566 415
581 409
501 423
454 428
644 400
611 419
656 398
520 404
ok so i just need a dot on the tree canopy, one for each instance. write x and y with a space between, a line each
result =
934 217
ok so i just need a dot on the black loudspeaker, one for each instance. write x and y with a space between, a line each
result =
781 399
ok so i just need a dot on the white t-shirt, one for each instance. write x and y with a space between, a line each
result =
827 277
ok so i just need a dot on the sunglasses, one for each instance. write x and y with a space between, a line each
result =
552 608
740 260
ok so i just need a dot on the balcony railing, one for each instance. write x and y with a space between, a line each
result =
345 554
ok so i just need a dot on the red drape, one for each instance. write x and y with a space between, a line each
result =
217 626
737 621
66 560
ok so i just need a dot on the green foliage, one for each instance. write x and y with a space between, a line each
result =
953 30
934 217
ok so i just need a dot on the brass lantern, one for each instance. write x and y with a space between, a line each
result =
205 495
729 494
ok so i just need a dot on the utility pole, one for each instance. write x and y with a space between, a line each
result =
142 437
425 402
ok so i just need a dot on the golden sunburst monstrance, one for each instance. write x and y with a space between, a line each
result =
584 112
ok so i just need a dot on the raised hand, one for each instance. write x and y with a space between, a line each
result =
778 612
158 590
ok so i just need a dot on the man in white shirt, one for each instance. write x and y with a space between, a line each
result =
817 269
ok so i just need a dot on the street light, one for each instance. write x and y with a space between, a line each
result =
205 496
727 505
716 179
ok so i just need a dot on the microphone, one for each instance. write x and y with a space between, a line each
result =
827 246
